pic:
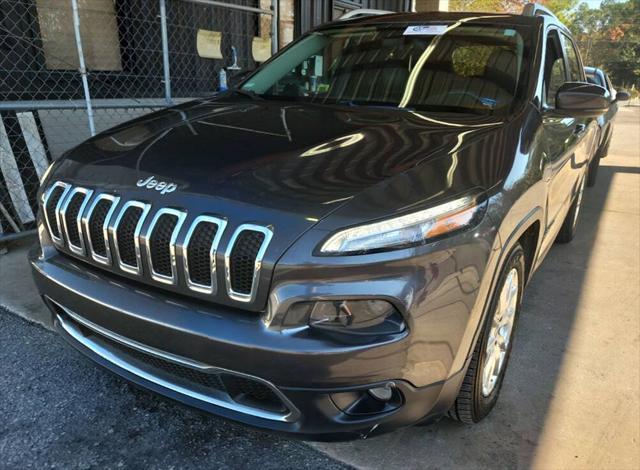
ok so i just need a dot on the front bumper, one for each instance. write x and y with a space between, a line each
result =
313 380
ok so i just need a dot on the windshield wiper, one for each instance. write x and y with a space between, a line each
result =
248 93
354 104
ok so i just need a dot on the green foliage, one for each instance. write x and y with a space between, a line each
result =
609 38
510 6
563 9
471 61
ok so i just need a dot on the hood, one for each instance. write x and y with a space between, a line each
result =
300 159
283 166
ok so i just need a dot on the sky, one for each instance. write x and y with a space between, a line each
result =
592 3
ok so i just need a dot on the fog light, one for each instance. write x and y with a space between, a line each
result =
363 317
384 393
369 401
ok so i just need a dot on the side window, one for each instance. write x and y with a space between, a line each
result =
609 85
554 70
600 80
575 71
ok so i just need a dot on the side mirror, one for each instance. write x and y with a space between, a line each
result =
623 95
580 99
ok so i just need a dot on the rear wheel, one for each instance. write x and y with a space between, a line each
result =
593 170
568 230
483 380
603 151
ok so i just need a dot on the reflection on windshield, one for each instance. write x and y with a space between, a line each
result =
457 67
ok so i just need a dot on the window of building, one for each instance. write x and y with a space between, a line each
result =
98 30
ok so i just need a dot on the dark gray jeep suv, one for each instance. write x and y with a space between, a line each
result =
338 246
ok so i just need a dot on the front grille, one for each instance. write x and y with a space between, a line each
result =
125 232
96 227
161 242
243 259
199 253
71 218
177 372
51 204
251 392
221 387
107 223
240 389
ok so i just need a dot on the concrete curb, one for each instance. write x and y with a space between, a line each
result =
18 293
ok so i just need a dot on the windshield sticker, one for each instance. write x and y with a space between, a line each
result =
426 30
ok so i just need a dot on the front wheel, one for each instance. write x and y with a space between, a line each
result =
483 380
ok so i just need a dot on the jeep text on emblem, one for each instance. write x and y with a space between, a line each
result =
162 186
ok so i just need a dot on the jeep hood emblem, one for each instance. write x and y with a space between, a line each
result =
151 183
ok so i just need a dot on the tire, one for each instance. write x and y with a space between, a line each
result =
593 170
478 396
603 151
568 229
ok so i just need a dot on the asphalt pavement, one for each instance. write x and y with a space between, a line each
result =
58 410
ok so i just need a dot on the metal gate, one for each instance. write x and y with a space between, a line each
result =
71 68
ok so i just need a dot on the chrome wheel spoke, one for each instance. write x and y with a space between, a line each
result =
489 370
500 332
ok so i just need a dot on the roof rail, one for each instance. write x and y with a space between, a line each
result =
363 12
535 9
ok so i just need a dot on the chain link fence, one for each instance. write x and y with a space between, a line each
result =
72 68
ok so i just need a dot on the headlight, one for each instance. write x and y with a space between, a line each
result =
407 230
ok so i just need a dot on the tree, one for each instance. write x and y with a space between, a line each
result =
562 8
609 38
508 6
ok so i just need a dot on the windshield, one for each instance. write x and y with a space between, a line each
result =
455 67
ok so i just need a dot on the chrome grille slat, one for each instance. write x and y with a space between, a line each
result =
103 227
73 228
148 239
52 212
220 224
144 210
243 296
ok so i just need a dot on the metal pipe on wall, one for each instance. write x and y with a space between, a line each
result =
83 68
275 20
165 52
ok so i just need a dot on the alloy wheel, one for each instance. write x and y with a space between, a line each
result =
500 334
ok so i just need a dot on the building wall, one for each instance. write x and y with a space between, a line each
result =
432 5
312 13
287 22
